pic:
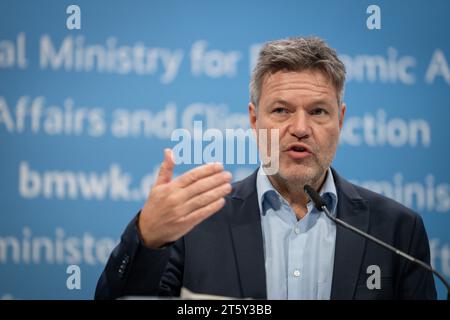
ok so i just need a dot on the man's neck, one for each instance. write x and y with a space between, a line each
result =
295 195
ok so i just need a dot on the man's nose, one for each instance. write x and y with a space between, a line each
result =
300 125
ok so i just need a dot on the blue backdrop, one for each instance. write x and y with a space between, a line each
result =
86 113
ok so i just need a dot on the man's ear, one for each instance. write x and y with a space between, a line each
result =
252 116
342 115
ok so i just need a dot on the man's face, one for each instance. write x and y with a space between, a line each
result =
303 107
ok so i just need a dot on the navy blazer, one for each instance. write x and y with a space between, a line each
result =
224 254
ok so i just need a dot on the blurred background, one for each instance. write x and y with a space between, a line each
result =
90 95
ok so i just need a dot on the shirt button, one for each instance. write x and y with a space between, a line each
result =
296 273
297 230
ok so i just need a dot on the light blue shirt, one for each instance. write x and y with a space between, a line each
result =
299 254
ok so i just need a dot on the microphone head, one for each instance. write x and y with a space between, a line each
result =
319 203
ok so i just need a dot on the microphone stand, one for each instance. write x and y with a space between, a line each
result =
321 206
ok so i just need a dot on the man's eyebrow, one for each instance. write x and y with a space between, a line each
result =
282 101
319 101
322 102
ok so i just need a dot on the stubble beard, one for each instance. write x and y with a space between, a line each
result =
311 172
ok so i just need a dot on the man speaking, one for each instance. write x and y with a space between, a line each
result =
261 237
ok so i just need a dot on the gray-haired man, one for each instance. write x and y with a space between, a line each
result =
260 237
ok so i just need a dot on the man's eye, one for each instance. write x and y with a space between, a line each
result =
280 110
318 112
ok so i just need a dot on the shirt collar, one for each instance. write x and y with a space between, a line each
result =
269 196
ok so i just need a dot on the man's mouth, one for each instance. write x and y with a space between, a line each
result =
298 151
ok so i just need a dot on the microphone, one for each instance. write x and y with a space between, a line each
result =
320 205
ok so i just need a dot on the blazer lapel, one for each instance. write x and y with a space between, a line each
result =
245 224
246 232
350 247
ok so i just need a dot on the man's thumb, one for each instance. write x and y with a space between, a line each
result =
166 170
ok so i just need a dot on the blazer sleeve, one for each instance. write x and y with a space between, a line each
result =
136 270
418 283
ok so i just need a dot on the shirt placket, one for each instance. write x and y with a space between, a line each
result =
296 266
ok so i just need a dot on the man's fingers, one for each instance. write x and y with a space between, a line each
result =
198 173
205 184
204 199
203 213
166 170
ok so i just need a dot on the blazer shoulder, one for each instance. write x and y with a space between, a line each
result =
386 206
240 204
244 188
382 206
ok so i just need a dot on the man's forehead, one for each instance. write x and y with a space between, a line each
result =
312 83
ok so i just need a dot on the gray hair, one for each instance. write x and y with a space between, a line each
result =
297 54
